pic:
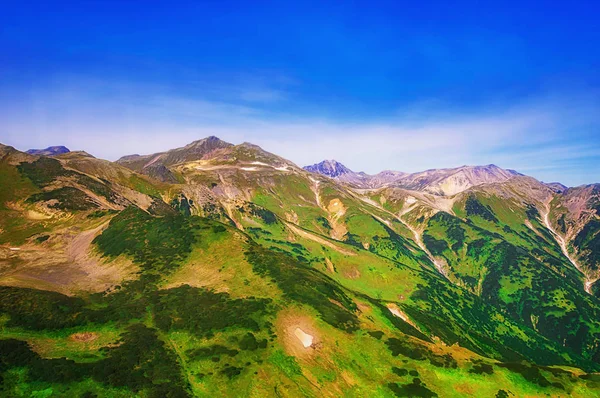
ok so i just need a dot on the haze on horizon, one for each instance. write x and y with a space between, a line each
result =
373 85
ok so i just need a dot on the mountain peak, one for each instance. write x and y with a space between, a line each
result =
156 165
331 168
209 142
50 151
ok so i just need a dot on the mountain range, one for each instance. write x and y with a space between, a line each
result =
443 182
225 270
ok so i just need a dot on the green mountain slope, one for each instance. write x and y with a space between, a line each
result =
245 275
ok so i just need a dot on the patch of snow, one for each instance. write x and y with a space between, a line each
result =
320 240
316 191
249 168
396 312
410 200
370 201
419 241
305 338
153 161
207 167
563 246
14 249
260 163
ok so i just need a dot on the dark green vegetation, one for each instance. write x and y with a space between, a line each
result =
38 309
474 207
183 204
140 362
413 389
158 243
214 351
392 245
397 347
587 242
524 282
43 171
307 286
202 312
496 335
268 217
65 198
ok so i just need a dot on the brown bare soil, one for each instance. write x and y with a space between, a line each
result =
67 266
287 324
336 210
83 336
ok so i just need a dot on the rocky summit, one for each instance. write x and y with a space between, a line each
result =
216 269
330 168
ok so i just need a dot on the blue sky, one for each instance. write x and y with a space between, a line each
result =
375 85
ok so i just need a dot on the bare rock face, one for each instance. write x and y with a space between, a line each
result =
448 182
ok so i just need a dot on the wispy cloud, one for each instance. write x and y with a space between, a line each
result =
553 138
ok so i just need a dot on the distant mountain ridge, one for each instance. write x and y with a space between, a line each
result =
50 151
330 168
444 182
